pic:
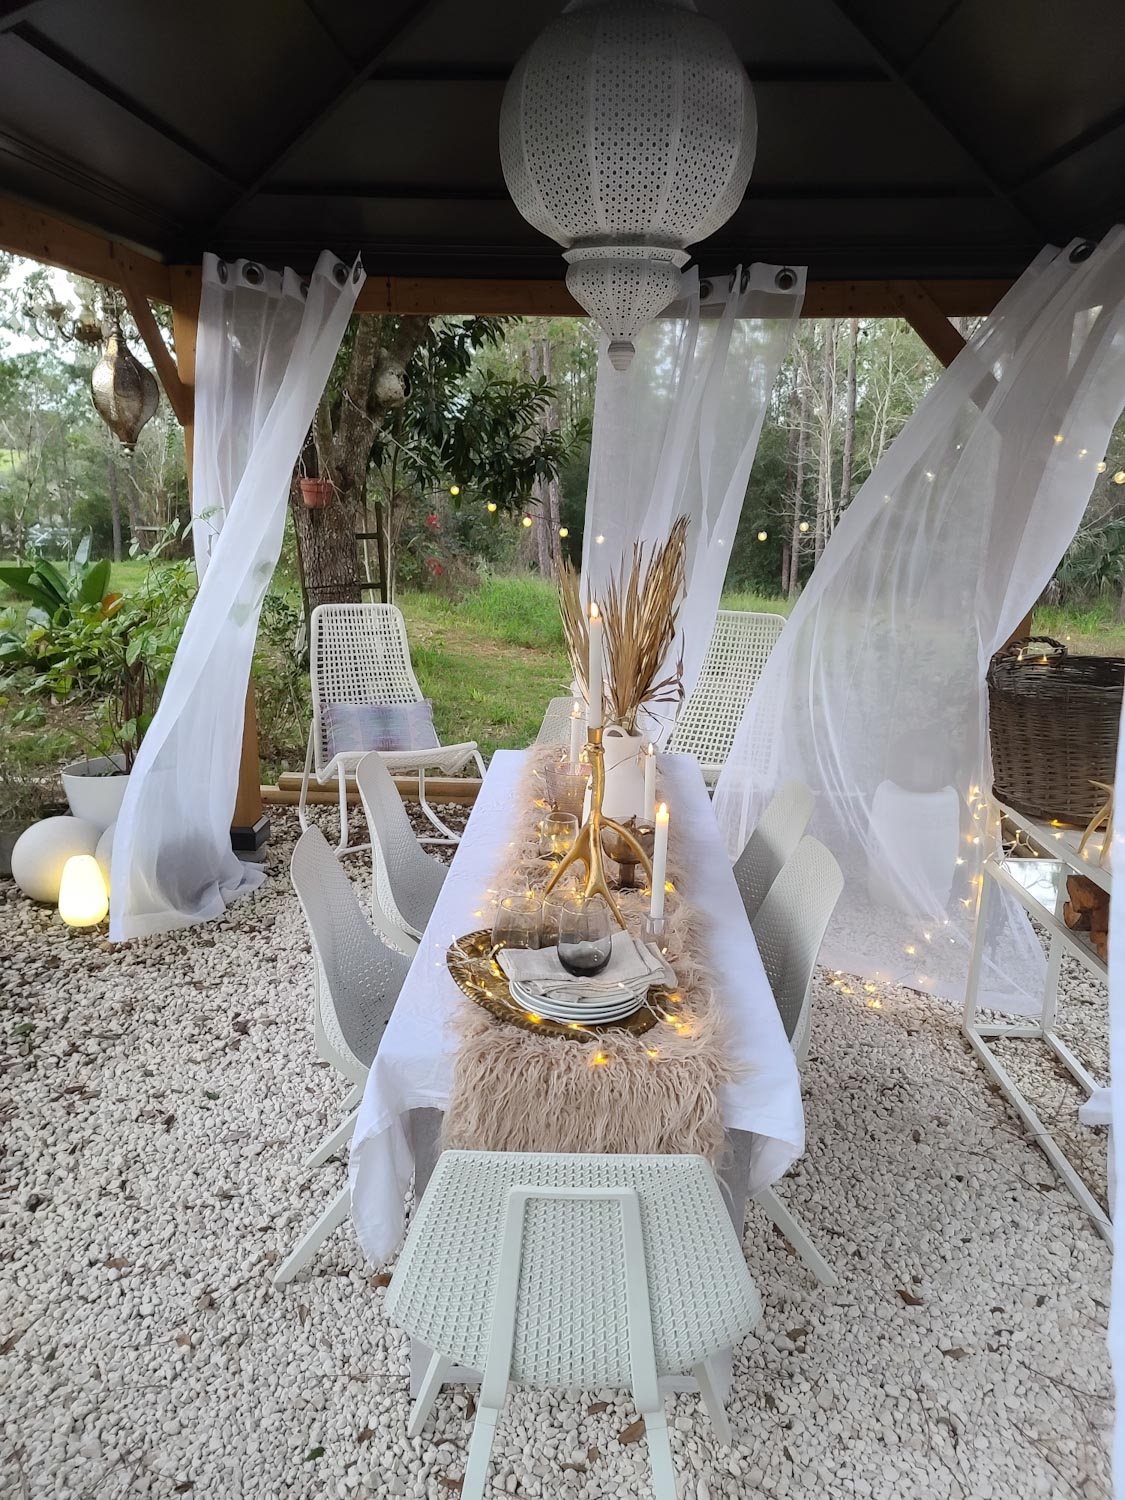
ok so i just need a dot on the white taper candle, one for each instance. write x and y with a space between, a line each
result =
594 674
659 862
575 733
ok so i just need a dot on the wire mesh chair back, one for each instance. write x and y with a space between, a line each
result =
555 728
358 654
789 929
407 880
777 834
359 973
571 1323
740 643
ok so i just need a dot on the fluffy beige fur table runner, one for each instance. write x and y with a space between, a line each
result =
655 1093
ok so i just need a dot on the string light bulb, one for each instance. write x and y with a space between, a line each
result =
491 507
803 527
1102 467
564 531
526 521
454 490
762 536
1119 477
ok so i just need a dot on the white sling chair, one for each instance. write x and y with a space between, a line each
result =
359 657
590 1271
555 728
740 643
789 929
357 977
776 835
407 880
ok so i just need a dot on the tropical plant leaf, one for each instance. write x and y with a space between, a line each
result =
94 582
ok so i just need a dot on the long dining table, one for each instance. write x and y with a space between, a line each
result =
397 1132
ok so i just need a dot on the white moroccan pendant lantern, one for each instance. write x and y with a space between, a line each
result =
627 133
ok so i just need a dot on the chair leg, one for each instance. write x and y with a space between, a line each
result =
342 846
797 1235
427 1394
449 836
709 1395
480 1451
334 1140
660 1455
330 1219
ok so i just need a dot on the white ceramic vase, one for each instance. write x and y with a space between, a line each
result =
94 792
624 774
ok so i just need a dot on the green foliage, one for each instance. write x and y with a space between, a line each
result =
113 649
56 596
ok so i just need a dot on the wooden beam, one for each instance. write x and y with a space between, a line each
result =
56 242
928 321
823 299
459 789
180 397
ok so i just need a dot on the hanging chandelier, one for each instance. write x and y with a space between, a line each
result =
627 133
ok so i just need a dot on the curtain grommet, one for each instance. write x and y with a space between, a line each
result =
253 273
357 270
1082 251
340 273
786 279
304 284
222 271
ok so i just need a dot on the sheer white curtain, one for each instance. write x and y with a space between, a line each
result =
875 694
677 431
265 348
1116 1164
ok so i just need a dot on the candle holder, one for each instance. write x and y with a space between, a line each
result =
588 845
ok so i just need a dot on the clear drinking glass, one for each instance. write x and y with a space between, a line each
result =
585 934
517 920
557 833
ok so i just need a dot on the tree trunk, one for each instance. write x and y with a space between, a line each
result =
326 546
794 579
824 501
114 507
547 513
849 416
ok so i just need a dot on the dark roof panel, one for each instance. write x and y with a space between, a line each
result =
940 137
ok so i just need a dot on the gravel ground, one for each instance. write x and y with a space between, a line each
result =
158 1101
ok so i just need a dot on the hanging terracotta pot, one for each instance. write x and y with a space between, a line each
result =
125 393
316 493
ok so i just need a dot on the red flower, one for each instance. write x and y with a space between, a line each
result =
433 522
434 567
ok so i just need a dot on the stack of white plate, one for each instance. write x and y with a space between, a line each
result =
614 1004
539 982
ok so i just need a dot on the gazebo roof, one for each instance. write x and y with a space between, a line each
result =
940 138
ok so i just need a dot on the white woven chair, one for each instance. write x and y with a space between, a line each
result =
776 835
591 1271
357 978
407 880
740 643
555 728
789 929
359 654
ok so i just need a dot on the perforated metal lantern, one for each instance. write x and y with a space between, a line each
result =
628 133
125 393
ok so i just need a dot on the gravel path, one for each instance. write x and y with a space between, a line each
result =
158 1101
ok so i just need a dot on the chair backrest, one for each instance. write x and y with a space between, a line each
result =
358 653
359 973
407 880
740 643
776 835
571 1323
789 930
555 728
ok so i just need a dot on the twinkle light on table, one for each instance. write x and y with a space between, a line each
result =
83 899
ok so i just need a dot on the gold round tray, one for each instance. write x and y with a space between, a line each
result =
484 981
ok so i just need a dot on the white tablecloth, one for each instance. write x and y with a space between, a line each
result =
414 1065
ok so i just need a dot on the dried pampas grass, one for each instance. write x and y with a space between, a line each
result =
641 610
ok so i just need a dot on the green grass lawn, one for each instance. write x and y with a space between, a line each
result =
489 660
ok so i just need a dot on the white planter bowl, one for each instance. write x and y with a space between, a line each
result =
92 793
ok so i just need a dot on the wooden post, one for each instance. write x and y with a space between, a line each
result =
250 828
928 321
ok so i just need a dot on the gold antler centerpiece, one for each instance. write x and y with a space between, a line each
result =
587 847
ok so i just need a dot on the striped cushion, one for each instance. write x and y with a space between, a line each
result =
353 727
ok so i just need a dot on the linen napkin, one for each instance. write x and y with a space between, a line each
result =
632 966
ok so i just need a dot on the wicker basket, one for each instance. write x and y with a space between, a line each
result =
1053 719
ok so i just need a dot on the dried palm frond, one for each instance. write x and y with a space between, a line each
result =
641 610
576 627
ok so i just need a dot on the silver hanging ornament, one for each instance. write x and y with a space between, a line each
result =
125 393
